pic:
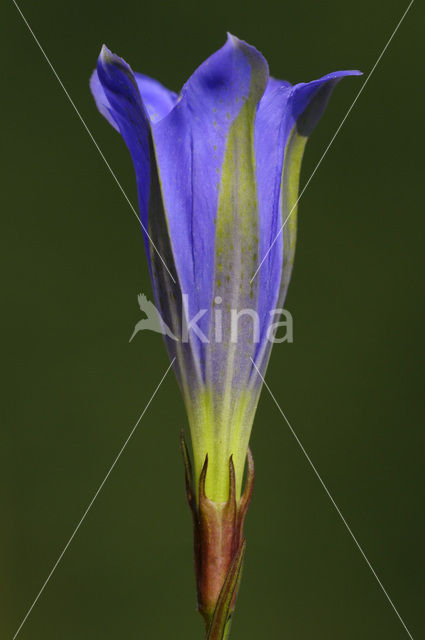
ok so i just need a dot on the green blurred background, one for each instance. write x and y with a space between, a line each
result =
350 384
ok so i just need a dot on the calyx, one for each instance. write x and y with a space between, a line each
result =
219 544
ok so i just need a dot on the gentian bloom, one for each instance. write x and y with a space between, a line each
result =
217 171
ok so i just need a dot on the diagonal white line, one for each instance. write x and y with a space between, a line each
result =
334 136
91 136
92 501
333 501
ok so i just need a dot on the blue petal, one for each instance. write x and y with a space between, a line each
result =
310 99
122 102
282 108
272 128
125 106
190 145
101 99
157 99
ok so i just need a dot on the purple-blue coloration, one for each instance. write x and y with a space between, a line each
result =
190 134
217 170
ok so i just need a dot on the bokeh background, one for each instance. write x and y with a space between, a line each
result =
350 384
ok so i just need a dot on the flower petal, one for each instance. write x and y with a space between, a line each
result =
310 99
101 99
125 107
190 144
207 169
286 116
157 99
128 111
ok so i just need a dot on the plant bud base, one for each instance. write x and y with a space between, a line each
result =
219 545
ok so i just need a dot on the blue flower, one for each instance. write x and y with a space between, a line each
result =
217 170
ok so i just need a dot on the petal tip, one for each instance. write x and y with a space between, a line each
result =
106 54
107 58
349 72
233 40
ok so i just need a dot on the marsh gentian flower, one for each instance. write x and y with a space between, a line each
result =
217 171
